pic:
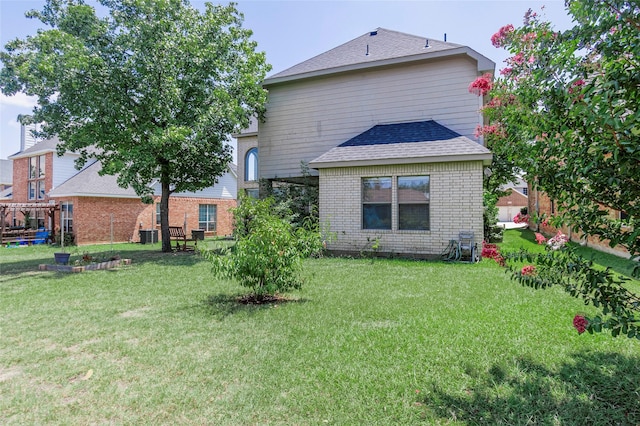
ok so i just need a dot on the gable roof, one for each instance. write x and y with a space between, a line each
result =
88 183
42 147
403 143
380 47
514 198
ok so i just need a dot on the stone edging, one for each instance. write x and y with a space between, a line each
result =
81 268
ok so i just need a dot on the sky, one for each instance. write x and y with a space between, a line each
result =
292 31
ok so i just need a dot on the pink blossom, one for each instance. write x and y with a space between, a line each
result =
580 323
488 129
528 37
528 270
540 239
532 59
481 85
518 59
576 84
499 39
506 71
491 251
521 218
558 241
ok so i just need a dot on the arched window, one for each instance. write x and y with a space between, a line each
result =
251 165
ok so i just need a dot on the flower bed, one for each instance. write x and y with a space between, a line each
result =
89 267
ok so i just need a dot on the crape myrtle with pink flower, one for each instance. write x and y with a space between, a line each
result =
565 110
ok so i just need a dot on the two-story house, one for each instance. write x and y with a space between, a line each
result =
49 192
386 123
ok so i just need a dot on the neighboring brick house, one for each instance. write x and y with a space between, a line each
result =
96 210
386 121
543 206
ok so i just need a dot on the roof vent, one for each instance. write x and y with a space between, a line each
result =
426 46
373 33
367 54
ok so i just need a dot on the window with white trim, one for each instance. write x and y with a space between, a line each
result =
207 217
36 188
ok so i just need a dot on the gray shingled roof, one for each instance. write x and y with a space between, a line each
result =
89 183
376 48
47 145
401 143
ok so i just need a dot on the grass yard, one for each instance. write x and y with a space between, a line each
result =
161 341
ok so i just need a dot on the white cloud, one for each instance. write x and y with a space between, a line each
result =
18 100
13 124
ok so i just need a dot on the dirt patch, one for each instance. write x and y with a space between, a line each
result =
9 373
135 313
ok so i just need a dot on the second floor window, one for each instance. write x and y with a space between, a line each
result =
36 177
251 165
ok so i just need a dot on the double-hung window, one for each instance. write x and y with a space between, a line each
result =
400 203
36 177
376 203
413 202
66 216
207 217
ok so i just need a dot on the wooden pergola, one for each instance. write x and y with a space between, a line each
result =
6 208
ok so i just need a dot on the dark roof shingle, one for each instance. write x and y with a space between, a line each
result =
419 131
403 143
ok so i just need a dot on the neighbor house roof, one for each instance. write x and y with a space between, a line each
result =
403 143
42 147
377 48
514 198
88 183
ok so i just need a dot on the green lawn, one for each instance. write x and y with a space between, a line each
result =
365 342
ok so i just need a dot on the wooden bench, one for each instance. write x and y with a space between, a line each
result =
177 234
28 236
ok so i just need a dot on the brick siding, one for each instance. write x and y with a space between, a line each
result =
455 205
93 216
541 203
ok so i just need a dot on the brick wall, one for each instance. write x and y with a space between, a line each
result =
93 216
21 179
455 205
539 202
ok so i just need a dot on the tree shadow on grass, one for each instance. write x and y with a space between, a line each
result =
592 388
223 305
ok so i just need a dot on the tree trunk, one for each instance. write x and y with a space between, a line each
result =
164 216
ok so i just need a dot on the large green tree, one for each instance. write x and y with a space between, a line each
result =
566 110
151 88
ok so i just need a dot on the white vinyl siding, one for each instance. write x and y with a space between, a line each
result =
307 118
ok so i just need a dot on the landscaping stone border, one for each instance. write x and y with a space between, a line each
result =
81 268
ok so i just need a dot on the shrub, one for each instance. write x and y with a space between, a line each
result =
268 253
